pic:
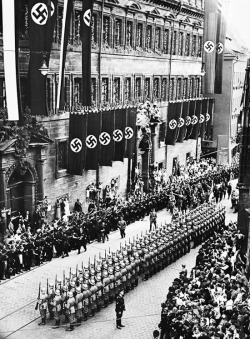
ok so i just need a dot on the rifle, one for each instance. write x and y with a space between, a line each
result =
47 286
63 277
38 298
55 282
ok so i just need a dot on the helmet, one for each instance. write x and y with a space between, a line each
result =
57 292
70 294
78 289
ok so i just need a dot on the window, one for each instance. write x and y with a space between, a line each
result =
166 41
93 91
2 93
187 47
171 89
106 30
59 24
137 88
149 37
129 34
118 33
156 88
174 42
200 43
94 30
179 89
158 38
192 88
194 45
181 39
77 91
127 90
147 88
105 90
164 89
116 90
62 155
24 18
185 88
139 32
197 87
77 29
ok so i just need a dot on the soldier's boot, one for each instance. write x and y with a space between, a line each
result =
92 313
127 289
43 322
98 309
51 316
78 321
85 317
57 324
66 320
145 277
70 328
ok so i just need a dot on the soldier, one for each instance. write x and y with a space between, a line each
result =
79 305
57 308
51 294
119 308
152 219
43 306
64 301
70 310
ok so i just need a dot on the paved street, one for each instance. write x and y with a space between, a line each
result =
18 295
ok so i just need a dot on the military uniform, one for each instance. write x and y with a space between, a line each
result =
78 305
56 303
119 308
43 306
70 310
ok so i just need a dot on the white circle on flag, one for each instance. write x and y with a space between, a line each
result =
209 46
172 124
117 135
104 138
76 145
207 117
181 122
219 48
188 120
91 141
87 17
202 119
39 13
194 120
129 133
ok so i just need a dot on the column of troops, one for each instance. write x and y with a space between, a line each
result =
85 291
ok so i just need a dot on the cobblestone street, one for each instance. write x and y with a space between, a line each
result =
18 318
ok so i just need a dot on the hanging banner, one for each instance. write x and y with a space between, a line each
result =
92 141
172 122
118 134
209 40
209 118
188 120
179 106
77 137
182 121
67 13
10 18
86 18
196 120
106 139
130 132
42 18
203 117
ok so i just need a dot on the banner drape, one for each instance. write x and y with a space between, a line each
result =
203 118
77 137
182 121
209 117
130 132
92 142
118 134
179 107
172 122
105 138
196 120
188 121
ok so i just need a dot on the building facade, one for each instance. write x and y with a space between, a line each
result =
146 50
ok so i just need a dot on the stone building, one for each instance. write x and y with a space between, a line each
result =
147 50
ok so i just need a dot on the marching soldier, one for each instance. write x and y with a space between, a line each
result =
57 308
79 305
43 306
86 294
70 310
64 301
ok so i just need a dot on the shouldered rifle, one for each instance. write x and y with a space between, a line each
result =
38 298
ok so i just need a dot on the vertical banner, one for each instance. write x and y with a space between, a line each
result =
92 146
196 120
130 132
172 122
10 55
220 45
106 139
210 31
182 121
67 12
209 117
77 137
179 107
203 118
87 10
118 134
42 18
189 125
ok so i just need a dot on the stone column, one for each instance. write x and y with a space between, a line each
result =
40 173
145 169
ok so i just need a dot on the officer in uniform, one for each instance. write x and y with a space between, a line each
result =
43 306
57 308
70 310
119 308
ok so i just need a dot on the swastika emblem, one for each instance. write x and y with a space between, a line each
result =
202 119
91 141
104 138
209 46
172 124
87 17
194 120
188 121
76 145
181 122
117 135
129 133
219 48
207 117
39 13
